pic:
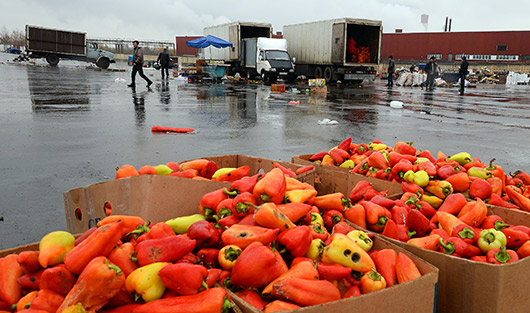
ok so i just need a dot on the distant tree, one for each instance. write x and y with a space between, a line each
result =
18 38
5 37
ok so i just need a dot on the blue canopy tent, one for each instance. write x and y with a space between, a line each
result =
208 41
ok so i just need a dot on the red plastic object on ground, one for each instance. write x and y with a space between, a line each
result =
158 129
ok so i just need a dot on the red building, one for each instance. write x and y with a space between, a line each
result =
183 49
499 46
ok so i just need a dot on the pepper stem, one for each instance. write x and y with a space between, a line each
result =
230 193
449 247
466 233
226 305
500 225
502 256
204 285
381 221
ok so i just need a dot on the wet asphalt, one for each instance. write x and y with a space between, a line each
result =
70 126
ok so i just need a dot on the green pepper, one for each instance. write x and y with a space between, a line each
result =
490 239
462 158
180 225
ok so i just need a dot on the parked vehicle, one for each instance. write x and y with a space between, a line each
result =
338 49
54 44
254 52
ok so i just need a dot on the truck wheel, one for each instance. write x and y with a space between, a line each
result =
103 63
328 74
265 78
52 59
318 72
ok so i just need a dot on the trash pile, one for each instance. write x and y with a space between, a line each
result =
486 76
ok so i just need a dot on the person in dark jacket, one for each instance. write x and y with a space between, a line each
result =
391 70
163 60
431 69
462 72
138 62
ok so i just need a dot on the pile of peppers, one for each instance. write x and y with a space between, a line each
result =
269 238
198 169
458 227
437 177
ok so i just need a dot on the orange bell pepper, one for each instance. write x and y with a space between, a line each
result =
406 270
251 297
385 262
294 184
473 213
244 235
303 270
429 242
452 204
124 257
129 222
517 198
294 211
196 164
47 300
268 215
58 279
29 260
256 267
460 181
334 201
213 300
357 215
372 281
279 305
234 175
448 222
271 188
98 283
300 196
25 301
10 291
306 292
100 243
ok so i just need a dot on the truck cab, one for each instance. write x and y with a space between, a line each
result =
102 58
268 58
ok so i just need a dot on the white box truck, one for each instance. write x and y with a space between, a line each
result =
344 49
253 53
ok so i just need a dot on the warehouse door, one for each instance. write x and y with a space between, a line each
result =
233 37
338 43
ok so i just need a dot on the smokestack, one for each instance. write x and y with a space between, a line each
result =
445 27
450 21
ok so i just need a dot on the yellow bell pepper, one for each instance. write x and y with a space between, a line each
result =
377 146
144 282
462 158
421 160
54 246
315 249
440 188
78 308
420 178
342 250
180 225
361 238
348 164
299 196
432 200
316 218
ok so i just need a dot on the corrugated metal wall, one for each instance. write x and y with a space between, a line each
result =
182 47
417 46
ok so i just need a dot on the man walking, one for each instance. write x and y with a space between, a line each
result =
431 69
462 72
391 70
163 60
138 62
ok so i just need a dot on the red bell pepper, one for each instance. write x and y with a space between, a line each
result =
406 270
515 238
209 257
30 281
332 271
100 243
391 230
345 144
352 292
442 233
523 176
184 279
452 204
306 292
318 156
255 267
493 221
473 213
394 158
417 222
376 216
271 188
427 154
297 240
501 256
495 199
334 201
214 274
244 204
480 189
246 184
234 175
252 297
304 169
342 228
357 215
405 148
294 211
385 262
453 246
123 256
211 200
331 218
460 181
29 260
228 221
58 279
224 208
47 300
517 198
377 160
426 166
204 233
10 291
412 188
97 284
168 249
362 167
447 171
400 168
156 231
466 233
426 209
524 250
383 201
208 170
244 235
339 155
214 300
318 232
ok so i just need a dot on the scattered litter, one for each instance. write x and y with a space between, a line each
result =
327 121
161 129
397 104
119 80
181 80
294 102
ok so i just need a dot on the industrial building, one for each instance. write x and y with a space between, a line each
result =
482 47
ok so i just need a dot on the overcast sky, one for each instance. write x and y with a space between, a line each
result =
165 19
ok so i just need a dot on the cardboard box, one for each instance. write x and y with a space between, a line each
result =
155 198
319 91
414 296
466 286
330 179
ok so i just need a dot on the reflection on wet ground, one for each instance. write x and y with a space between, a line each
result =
68 127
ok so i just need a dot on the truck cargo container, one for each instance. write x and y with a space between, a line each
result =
253 53
321 48
54 44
